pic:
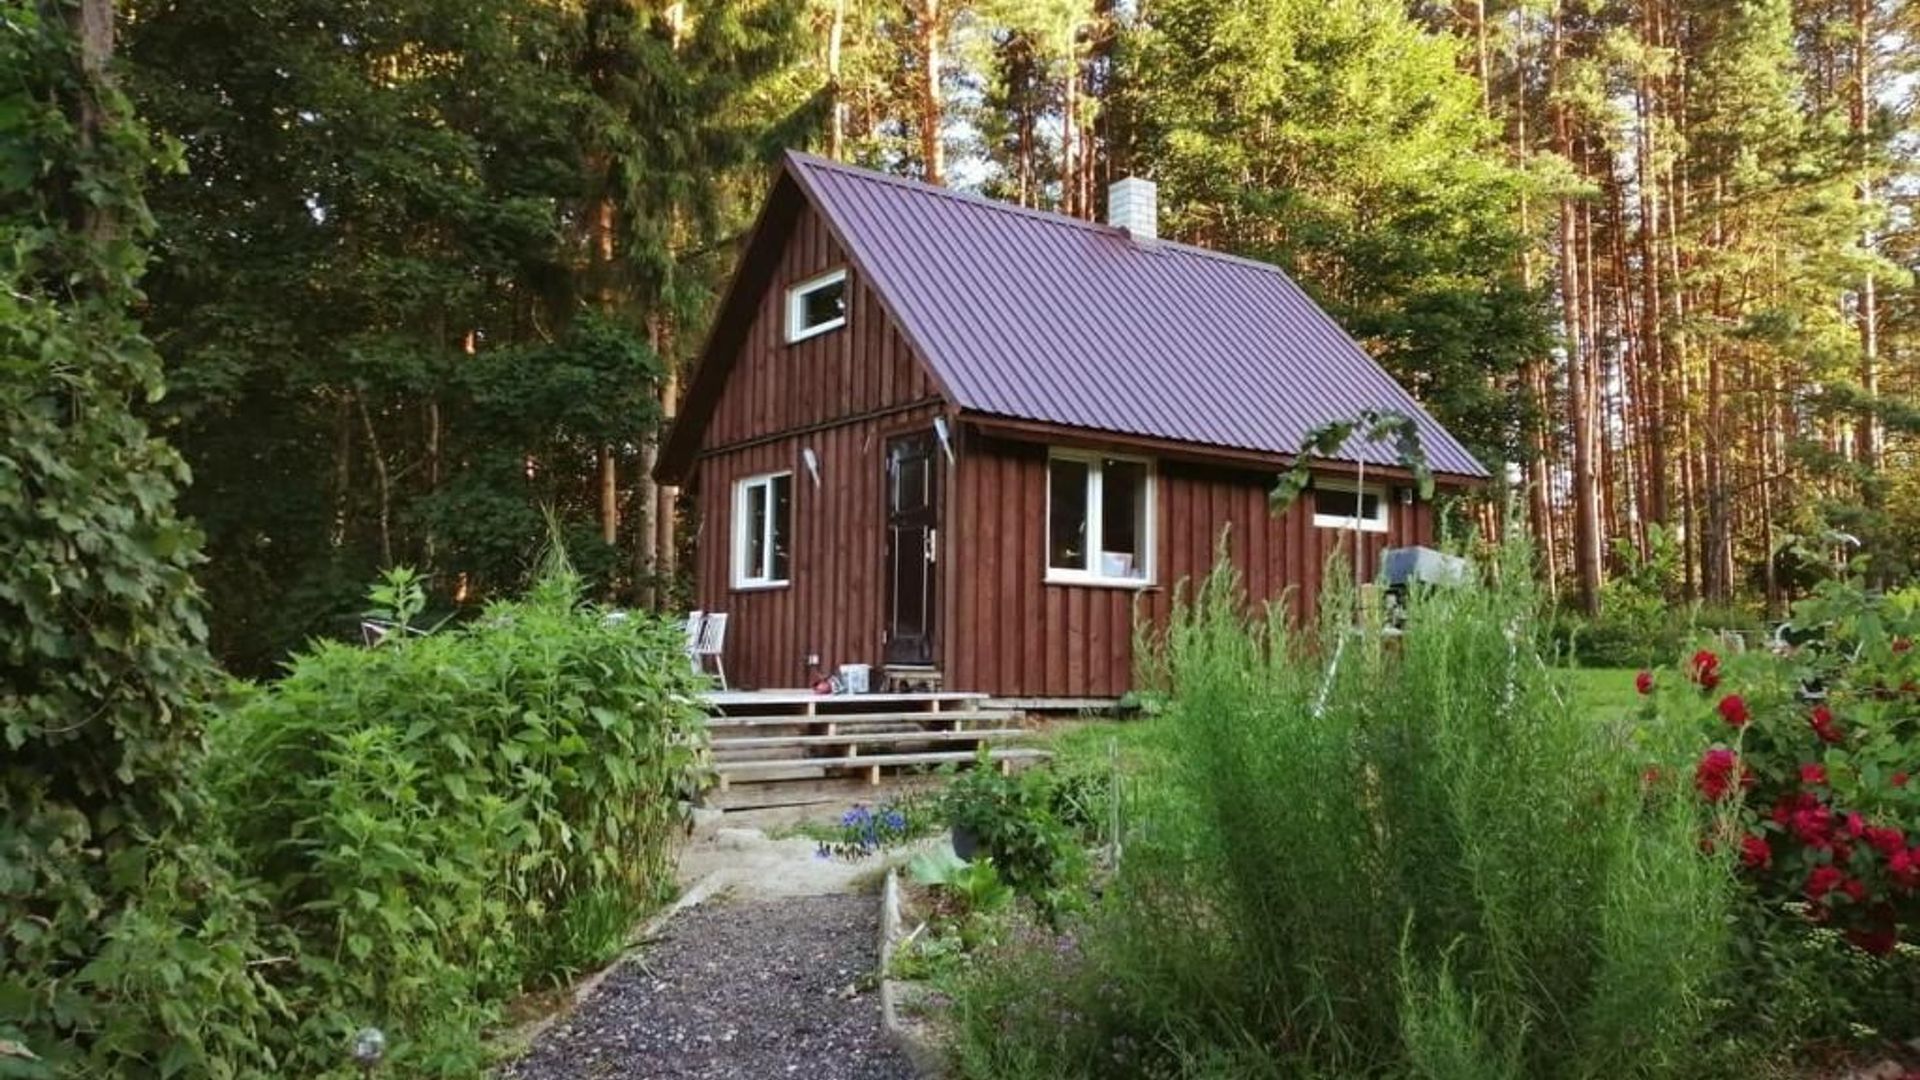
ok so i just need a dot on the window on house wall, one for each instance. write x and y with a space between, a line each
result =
817 305
1336 506
762 530
1099 519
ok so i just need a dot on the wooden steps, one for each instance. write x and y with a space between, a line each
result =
866 738
875 761
786 747
855 719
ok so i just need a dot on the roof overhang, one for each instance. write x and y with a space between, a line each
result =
1199 453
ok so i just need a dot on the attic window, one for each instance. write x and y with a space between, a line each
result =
1342 506
817 305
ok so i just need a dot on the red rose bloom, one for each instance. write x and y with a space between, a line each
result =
1813 774
1855 889
1714 775
1856 825
1886 840
1733 709
1755 852
1898 779
1643 682
1824 725
1822 881
1705 669
1905 868
1813 825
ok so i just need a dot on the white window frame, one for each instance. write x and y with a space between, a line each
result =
1096 506
759 577
1375 524
797 306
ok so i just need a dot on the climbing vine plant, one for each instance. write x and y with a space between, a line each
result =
116 931
1374 426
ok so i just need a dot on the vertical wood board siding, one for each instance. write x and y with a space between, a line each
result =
776 387
1011 633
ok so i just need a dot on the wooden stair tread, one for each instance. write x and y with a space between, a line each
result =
938 757
797 720
760 742
733 698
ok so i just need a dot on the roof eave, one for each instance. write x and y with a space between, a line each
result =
1203 453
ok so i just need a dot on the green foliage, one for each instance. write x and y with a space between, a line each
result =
1342 142
1812 751
444 821
1330 440
393 333
1446 816
1015 819
122 941
976 886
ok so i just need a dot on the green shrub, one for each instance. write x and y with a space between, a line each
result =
1374 858
1014 818
443 821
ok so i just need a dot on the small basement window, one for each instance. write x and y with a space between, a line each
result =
1099 519
1336 506
817 305
762 528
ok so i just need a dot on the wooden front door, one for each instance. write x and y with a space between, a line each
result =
913 546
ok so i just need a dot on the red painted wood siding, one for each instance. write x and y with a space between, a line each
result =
841 394
834 602
776 387
1011 633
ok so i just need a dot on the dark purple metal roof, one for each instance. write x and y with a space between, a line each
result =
1036 316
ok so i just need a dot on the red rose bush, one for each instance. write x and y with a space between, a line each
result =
1806 757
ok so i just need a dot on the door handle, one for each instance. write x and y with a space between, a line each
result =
933 545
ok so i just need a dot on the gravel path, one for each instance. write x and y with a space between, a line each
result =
750 989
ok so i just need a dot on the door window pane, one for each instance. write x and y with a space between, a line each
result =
1067 514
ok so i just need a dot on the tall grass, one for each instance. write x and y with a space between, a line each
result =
1418 860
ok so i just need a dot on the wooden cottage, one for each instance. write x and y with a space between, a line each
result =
968 443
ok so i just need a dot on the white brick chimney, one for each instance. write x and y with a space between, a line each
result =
1133 205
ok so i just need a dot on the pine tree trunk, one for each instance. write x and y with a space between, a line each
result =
836 91
1869 438
932 151
1574 303
666 531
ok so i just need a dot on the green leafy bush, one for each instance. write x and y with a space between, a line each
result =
123 942
1014 818
1365 857
443 821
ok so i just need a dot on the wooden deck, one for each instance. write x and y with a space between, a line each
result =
793 747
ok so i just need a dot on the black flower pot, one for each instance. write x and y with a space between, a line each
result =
966 842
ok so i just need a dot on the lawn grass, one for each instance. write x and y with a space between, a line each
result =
1083 742
1606 694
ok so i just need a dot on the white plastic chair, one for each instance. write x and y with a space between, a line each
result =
712 642
696 620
